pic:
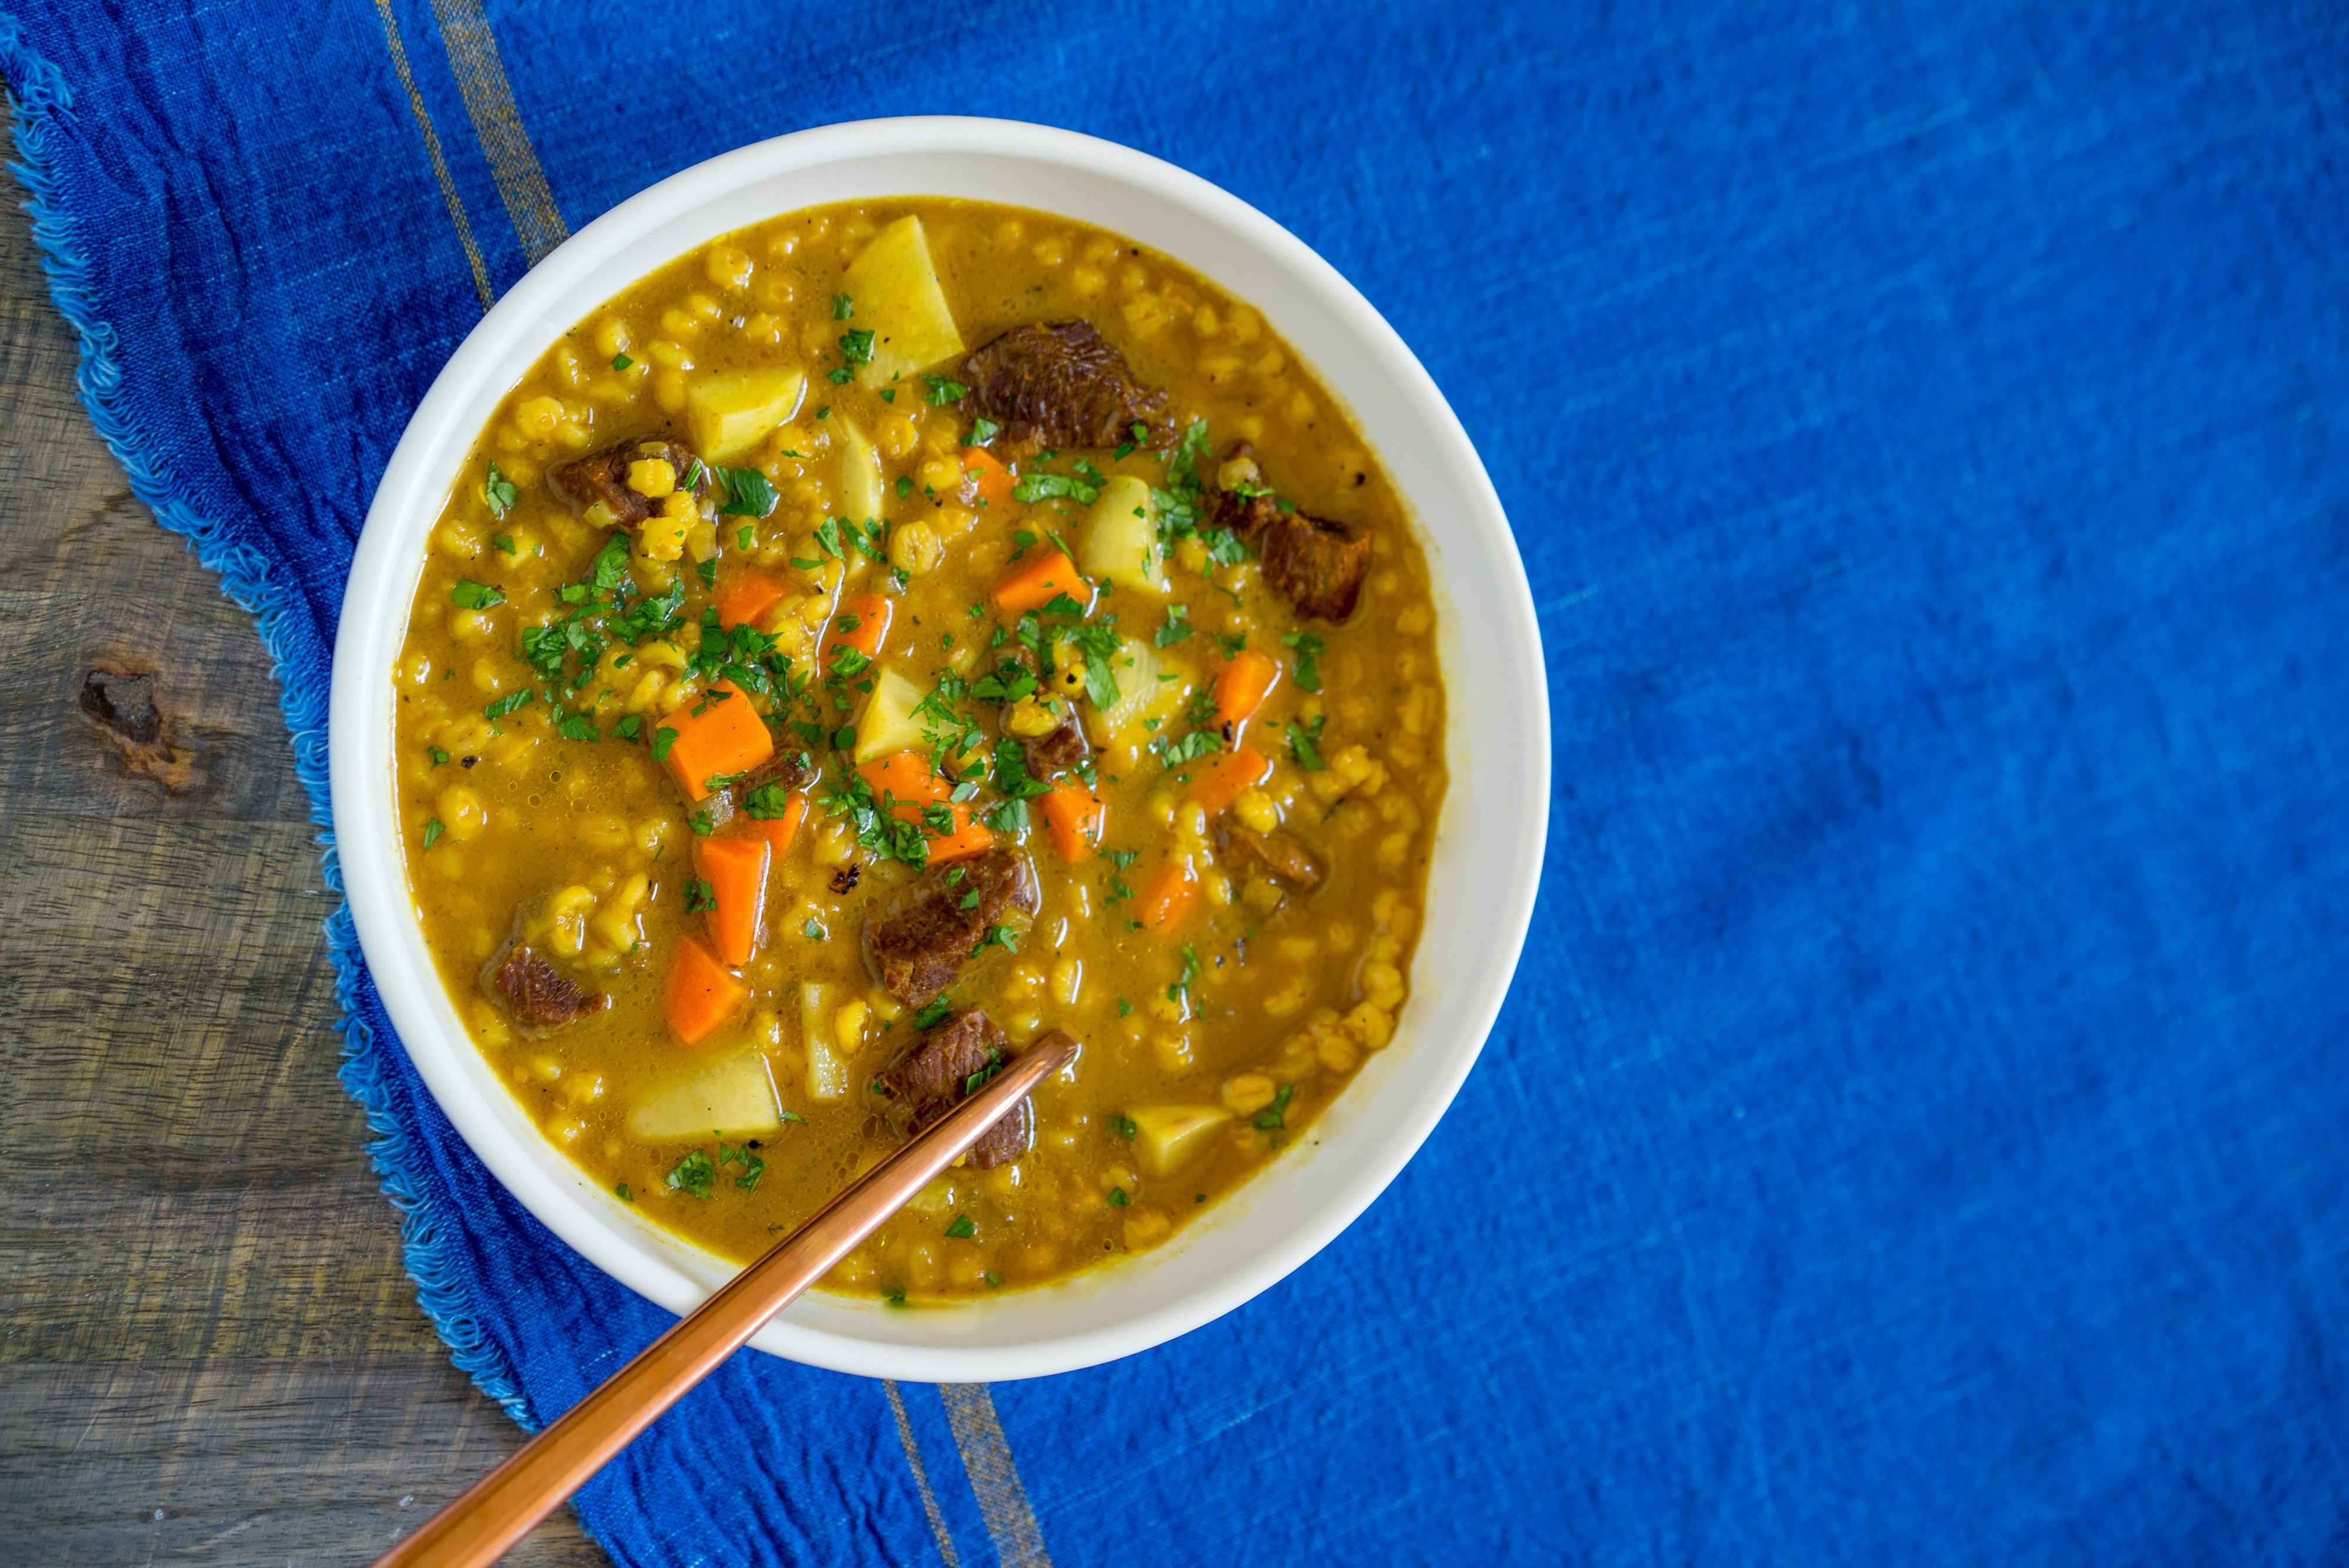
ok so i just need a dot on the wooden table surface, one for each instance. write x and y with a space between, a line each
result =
208 1350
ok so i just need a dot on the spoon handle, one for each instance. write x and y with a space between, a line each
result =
481 1525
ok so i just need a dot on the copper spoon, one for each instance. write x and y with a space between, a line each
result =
499 1510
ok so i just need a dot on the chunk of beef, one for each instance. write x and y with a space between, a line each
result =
1058 385
1316 565
536 994
917 945
604 476
788 771
1278 852
1057 752
934 1075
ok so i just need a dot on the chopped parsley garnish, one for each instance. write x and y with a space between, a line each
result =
437 754
1178 627
1199 744
769 802
694 1174
813 929
624 1195
627 729
663 739
473 596
1124 1126
702 823
499 491
1180 991
856 345
1098 643
1124 1008
1309 649
962 1230
1117 1197
931 1016
577 727
843 308
1182 503
511 702
1035 487
1273 1115
621 361
1303 743
905 485
747 494
983 431
944 391
699 896
795 1117
604 611
753 1165
432 831
979 1080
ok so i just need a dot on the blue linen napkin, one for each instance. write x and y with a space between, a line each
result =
1915 1130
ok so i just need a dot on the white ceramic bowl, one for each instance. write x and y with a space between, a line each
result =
1488 850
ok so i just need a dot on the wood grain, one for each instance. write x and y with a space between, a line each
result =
208 1350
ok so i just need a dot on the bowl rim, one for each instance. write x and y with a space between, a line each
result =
390 552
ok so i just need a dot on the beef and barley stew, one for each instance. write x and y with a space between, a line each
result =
877 638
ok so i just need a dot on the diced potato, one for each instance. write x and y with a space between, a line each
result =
860 474
1136 682
1120 543
898 300
1141 694
1166 1138
827 1067
733 1095
728 415
889 726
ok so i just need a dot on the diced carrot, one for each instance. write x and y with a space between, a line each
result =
861 623
969 837
748 597
736 870
727 736
1172 895
905 783
907 775
778 831
1037 583
1225 776
701 993
1076 820
1240 690
984 476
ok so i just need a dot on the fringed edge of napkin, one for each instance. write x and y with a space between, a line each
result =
41 102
